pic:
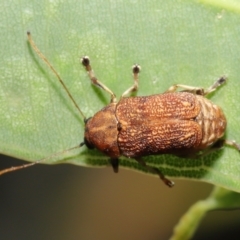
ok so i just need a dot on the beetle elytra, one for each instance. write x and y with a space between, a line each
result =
183 123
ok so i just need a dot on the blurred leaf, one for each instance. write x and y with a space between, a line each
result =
174 41
220 198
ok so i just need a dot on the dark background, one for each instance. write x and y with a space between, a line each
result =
70 202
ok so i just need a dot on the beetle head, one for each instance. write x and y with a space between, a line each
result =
101 131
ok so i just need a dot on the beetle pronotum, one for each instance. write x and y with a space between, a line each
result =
181 123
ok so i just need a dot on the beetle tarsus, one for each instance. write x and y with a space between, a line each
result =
168 182
216 85
115 163
85 61
136 70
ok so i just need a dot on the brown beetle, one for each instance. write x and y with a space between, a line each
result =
183 123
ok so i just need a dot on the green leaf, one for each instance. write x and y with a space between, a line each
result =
183 42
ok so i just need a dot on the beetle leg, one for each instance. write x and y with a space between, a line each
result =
233 144
168 182
86 63
194 90
115 163
217 84
197 90
136 70
218 145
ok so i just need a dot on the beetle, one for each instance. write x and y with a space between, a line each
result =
183 123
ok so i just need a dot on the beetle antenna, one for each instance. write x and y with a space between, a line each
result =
40 54
12 169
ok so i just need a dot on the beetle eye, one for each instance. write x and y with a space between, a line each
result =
88 144
86 120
